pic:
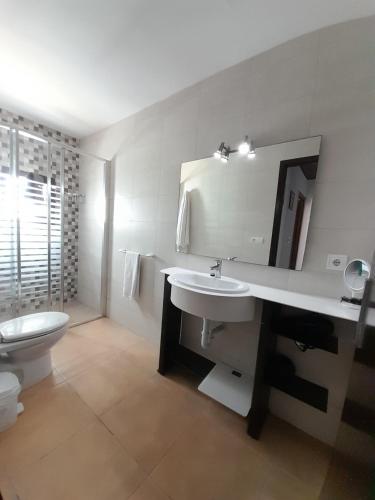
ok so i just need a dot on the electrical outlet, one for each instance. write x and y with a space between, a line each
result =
257 240
336 262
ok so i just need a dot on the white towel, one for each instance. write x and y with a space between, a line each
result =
183 224
131 275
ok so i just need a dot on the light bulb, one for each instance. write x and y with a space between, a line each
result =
224 159
244 147
217 155
251 154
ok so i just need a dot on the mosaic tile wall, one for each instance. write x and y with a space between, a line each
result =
33 165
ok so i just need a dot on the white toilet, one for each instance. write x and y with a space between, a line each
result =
25 344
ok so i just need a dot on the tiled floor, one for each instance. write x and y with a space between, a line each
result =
106 426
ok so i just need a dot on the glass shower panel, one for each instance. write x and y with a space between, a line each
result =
8 226
34 187
53 230
89 207
57 228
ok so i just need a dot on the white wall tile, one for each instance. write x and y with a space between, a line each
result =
358 243
340 110
343 150
143 208
344 205
169 179
285 80
167 208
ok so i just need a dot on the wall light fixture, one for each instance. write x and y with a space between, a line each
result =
245 148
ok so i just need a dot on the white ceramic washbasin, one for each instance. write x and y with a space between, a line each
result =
219 299
210 284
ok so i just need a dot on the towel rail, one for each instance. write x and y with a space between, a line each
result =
124 250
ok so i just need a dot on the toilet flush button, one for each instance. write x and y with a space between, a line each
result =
336 262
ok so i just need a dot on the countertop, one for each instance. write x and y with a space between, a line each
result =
315 303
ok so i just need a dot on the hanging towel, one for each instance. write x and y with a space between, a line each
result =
131 275
183 224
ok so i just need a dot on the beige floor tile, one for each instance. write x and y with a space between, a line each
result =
74 366
145 354
263 481
294 451
51 416
148 491
150 421
306 458
277 484
233 422
201 464
348 478
108 333
108 380
210 463
74 353
7 489
70 346
90 465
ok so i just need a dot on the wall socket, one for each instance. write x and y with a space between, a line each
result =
257 240
336 262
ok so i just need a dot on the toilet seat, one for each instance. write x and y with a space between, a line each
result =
32 325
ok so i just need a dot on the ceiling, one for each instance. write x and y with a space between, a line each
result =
81 65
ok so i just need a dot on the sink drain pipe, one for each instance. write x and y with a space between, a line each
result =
209 330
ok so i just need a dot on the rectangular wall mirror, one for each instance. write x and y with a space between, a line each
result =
257 211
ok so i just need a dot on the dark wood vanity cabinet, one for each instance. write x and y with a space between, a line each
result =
170 331
276 320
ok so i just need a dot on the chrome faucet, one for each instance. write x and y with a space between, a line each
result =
216 269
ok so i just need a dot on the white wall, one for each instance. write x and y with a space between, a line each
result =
322 83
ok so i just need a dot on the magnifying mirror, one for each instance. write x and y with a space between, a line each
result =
355 275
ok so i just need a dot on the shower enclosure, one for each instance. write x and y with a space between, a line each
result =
53 227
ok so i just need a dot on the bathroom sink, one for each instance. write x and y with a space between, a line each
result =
218 299
210 284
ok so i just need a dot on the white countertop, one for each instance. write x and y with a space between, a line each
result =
314 303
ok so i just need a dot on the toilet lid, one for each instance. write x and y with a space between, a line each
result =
32 325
